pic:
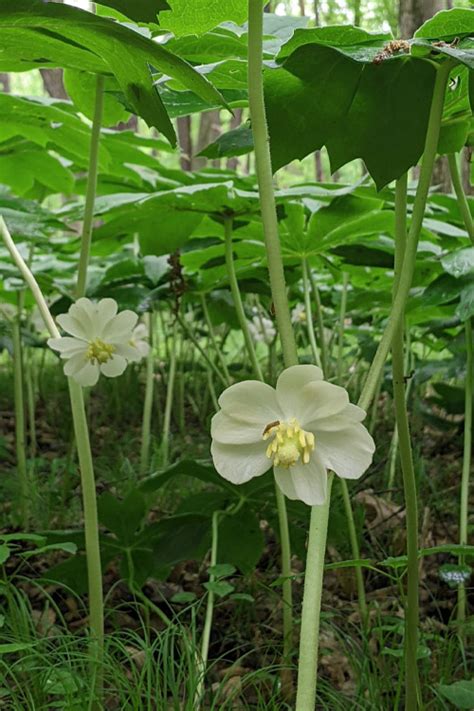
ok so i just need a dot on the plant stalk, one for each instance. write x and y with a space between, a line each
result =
20 431
406 460
310 619
86 236
148 402
461 195
309 316
466 464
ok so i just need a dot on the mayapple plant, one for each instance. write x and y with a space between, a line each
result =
304 427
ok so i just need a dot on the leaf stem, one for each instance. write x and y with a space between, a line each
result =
148 402
309 316
466 464
406 459
310 619
86 235
263 167
20 432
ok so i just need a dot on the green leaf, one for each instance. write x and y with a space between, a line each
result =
66 36
460 694
15 647
453 136
233 143
241 539
465 308
184 597
221 588
198 16
242 597
155 268
122 517
352 40
459 263
448 24
5 552
65 547
138 10
81 87
221 570
366 113
172 232
179 538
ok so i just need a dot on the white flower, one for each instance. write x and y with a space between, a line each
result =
298 314
304 427
102 340
137 341
262 330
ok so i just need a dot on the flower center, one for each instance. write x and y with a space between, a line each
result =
289 443
99 351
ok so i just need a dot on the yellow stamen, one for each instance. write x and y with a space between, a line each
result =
289 443
100 351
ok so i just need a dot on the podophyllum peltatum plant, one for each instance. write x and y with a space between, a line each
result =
361 95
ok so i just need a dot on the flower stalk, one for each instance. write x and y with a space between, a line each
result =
148 402
20 428
406 460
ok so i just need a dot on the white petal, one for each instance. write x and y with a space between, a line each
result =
80 328
140 332
319 400
350 415
119 327
240 463
67 346
131 353
306 482
113 367
290 384
347 452
253 401
106 310
229 430
88 375
75 363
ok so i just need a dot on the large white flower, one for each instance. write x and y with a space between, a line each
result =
139 342
102 341
304 427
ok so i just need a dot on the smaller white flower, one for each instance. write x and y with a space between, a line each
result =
102 340
262 330
138 341
298 314
303 428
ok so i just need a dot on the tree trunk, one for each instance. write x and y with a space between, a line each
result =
357 13
185 142
53 83
413 13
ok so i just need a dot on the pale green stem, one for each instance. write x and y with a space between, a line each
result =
31 400
212 391
466 465
393 459
148 401
20 433
406 460
236 296
320 323
424 182
265 181
91 523
206 633
342 318
86 236
280 499
309 315
212 336
461 195
165 441
310 620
